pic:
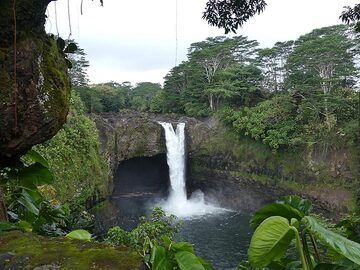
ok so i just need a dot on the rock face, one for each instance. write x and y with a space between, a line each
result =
238 174
128 135
36 109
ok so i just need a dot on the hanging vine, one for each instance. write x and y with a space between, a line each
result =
14 70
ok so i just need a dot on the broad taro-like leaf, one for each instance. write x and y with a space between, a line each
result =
270 241
275 209
206 265
36 157
160 259
28 202
343 246
302 205
79 235
188 261
182 246
35 175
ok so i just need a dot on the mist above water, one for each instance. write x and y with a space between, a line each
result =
177 203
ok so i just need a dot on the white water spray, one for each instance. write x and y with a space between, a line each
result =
177 202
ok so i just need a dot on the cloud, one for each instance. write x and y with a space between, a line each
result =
135 40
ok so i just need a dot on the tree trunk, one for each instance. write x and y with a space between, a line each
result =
3 212
211 101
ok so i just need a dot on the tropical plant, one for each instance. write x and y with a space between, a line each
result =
27 207
152 239
176 255
288 220
79 235
149 232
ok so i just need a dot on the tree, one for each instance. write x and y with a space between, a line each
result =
141 96
238 85
272 62
232 14
220 53
78 72
322 60
351 15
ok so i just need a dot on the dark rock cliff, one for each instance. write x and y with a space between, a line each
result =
238 174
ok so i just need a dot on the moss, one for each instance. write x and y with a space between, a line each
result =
66 253
55 73
79 169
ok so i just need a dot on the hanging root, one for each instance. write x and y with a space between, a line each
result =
14 71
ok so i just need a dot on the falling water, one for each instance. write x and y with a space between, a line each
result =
177 202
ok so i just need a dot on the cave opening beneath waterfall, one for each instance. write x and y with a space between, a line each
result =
142 176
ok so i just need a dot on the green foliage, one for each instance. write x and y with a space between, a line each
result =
118 237
339 244
304 206
107 97
270 121
27 207
79 64
149 230
322 59
275 209
351 227
79 235
141 97
152 240
273 236
73 156
176 255
270 241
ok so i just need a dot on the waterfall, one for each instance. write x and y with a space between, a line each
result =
175 145
177 202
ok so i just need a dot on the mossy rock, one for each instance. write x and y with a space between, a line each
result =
36 109
30 251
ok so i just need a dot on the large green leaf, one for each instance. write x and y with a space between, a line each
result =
161 260
206 265
35 175
270 241
182 246
345 247
36 157
27 201
275 209
79 235
302 205
188 261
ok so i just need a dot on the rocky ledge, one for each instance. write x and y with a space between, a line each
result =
29 251
239 173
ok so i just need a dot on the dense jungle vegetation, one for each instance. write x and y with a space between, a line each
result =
297 93
301 93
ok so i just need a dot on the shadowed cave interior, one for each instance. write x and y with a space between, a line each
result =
142 176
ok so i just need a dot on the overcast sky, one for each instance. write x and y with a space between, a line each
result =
134 40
